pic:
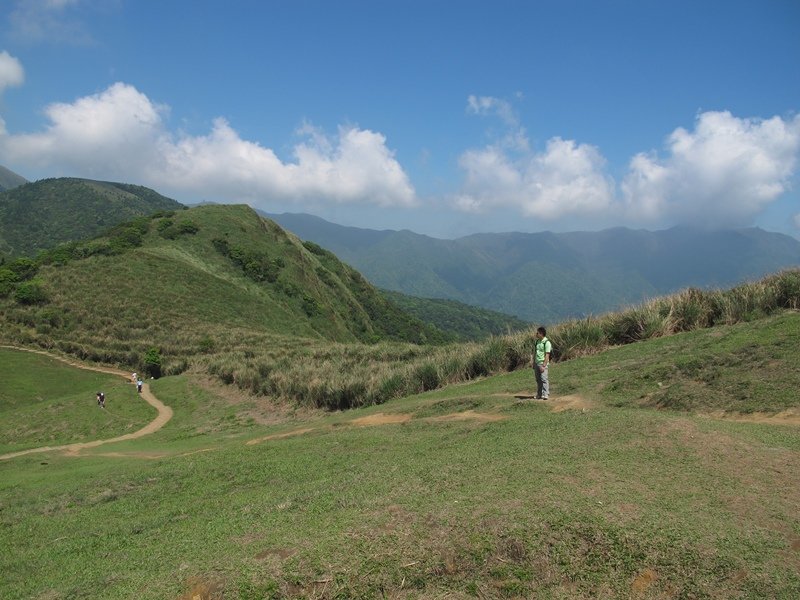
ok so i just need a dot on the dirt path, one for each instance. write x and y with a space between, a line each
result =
164 412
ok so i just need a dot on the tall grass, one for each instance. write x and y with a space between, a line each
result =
335 376
345 376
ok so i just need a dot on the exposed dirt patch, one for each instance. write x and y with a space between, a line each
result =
281 553
277 436
642 582
382 419
790 416
469 415
202 589
562 403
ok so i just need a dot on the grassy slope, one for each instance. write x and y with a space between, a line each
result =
176 294
608 500
44 402
463 321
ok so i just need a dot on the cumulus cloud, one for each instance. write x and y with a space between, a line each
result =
727 170
121 134
722 173
11 72
566 178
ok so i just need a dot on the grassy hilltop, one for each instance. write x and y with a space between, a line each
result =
464 492
40 215
191 282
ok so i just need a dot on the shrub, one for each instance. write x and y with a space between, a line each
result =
23 268
152 363
30 292
7 281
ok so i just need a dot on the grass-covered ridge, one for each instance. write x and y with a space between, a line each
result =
464 492
198 281
40 215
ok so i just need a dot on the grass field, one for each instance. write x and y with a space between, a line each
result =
45 402
622 486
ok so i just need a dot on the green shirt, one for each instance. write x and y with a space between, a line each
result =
543 346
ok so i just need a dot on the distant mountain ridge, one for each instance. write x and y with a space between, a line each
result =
40 215
9 179
547 277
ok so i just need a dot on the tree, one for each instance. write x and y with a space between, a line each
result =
152 363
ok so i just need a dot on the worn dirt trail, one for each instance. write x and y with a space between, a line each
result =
164 413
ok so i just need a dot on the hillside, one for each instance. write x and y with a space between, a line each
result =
40 215
463 321
547 277
200 282
471 491
9 179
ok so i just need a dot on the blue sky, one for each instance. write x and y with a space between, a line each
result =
444 117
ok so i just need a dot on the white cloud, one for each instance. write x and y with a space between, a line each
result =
11 71
35 21
121 134
725 172
566 179
796 219
488 105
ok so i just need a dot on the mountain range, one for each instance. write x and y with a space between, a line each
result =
547 277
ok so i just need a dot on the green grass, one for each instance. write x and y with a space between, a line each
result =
615 500
747 367
45 402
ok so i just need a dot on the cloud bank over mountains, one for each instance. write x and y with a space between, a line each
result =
724 171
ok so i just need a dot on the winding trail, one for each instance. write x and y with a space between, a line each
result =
164 412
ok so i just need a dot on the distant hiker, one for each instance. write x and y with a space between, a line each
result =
541 360
134 378
101 399
139 384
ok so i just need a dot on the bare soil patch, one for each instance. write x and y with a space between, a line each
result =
469 415
573 402
790 416
277 436
382 419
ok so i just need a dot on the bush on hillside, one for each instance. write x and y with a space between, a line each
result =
152 363
30 292
8 280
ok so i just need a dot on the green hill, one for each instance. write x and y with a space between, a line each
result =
198 282
40 215
463 321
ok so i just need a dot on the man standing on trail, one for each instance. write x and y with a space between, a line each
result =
139 384
541 360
